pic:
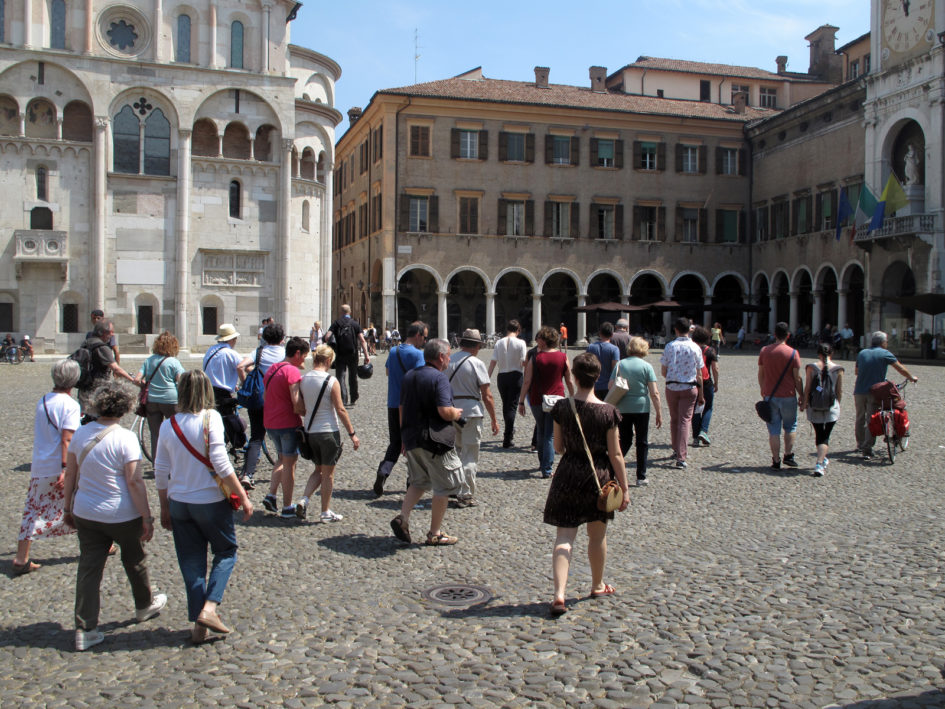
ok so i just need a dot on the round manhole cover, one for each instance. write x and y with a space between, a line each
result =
457 594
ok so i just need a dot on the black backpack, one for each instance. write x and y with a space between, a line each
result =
345 338
89 370
823 395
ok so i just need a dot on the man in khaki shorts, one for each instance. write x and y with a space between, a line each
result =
426 405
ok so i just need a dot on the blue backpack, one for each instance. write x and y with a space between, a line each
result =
251 394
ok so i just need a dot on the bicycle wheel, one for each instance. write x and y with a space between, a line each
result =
890 438
266 452
143 433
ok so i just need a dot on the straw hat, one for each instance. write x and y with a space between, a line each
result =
227 332
470 337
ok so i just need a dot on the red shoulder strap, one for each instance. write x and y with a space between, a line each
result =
193 451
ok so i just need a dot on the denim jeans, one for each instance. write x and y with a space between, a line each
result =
195 526
700 422
545 428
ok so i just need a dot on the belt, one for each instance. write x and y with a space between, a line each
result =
468 397
688 384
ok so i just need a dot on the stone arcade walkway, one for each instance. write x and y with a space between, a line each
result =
737 586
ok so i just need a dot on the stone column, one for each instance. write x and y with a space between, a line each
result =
792 320
214 60
536 314
441 314
59 128
667 325
581 335
282 237
390 290
27 23
252 151
707 314
182 245
772 312
324 252
22 117
89 26
817 315
264 37
220 145
158 34
141 147
842 317
99 181
490 313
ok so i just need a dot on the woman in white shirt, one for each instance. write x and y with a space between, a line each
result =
57 418
321 394
110 506
192 505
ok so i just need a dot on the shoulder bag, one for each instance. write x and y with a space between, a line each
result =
763 407
618 390
305 449
609 495
141 409
231 497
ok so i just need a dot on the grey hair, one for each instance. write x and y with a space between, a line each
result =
434 349
114 398
101 328
878 338
65 374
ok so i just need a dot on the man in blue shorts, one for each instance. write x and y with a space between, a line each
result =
871 366
779 376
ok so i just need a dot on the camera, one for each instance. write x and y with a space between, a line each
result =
461 421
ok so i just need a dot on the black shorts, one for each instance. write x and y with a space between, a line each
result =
326 447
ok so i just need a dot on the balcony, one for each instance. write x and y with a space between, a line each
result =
41 246
909 225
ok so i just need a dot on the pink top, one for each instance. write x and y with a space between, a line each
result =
547 370
277 409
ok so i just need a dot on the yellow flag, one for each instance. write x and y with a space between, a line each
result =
893 195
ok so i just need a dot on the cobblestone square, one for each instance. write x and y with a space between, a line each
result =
736 585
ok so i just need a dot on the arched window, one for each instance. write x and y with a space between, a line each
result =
41 218
57 25
126 141
235 199
42 194
306 213
3 24
236 45
157 144
182 49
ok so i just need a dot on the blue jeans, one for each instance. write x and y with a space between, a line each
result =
285 440
783 415
545 427
194 527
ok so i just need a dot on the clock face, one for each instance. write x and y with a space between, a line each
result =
905 23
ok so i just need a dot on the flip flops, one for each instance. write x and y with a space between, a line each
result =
557 608
608 591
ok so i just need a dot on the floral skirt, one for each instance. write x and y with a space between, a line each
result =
43 513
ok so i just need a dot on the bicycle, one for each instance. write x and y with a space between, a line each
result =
12 354
895 429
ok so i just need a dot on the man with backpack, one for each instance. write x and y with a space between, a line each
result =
96 363
346 337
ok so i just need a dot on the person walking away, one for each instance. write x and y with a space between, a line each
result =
509 356
472 393
400 360
634 407
281 417
681 366
621 337
563 330
572 495
224 368
321 395
718 338
159 373
346 337
871 367
824 387
315 336
427 413
607 354
740 338
102 364
193 507
269 352
710 385
55 421
779 378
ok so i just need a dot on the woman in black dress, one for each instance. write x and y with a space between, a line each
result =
572 497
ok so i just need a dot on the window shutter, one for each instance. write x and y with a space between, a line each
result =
795 214
503 146
483 145
719 226
549 206
473 216
704 226
594 143
661 223
661 156
502 219
575 221
530 148
832 196
703 158
380 142
635 227
575 151
742 222
742 161
530 217
592 222
679 157
719 152
770 214
618 154
549 148
618 222
678 236
808 226
454 142
637 155
819 210
463 216
404 212
434 214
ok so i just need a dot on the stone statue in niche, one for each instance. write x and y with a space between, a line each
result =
911 161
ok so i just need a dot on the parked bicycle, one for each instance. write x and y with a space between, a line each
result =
891 420
13 354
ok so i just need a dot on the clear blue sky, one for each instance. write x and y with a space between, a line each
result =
373 40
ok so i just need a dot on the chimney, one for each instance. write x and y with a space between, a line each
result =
782 64
354 114
598 79
825 63
541 76
739 101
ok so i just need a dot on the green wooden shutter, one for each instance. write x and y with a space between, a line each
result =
719 226
678 236
719 154
635 227
661 223
661 156
404 212
594 148
637 155
454 142
549 148
549 206
742 161
502 218
618 222
679 157
703 158
483 145
592 221
503 146
530 217
575 221
618 154
530 148
575 151
704 226
433 223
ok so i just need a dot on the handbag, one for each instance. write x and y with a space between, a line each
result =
305 448
231 497
609 495
438 441
763 407
617 391
141 409
85 451
548 401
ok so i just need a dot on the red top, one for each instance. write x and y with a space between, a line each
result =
774 358
277 409
547 370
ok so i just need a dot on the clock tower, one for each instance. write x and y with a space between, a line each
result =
906 29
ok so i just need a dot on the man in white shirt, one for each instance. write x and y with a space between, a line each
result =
509 357
469 381
682 367
224 368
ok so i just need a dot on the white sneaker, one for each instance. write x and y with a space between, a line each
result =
330 516
826 463
643 482
84 639
157 603
819 470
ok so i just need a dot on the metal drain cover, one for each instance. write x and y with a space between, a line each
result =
457 594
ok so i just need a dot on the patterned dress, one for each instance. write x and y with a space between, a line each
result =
572 497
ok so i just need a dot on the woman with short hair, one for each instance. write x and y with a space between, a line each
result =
54 423
160 372
110 506
635 407
192 504
319 387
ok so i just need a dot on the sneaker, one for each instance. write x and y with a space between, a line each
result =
819 470
247 483
84 639
681 464
642 482
704 437
776 464
695 443
379 484
789 461
330 516
867 454
158 601
288 512
300 510
269 502
826 463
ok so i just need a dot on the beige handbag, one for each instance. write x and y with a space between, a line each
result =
617 391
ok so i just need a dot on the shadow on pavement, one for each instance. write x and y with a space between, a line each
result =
53 635
935 698
732 469
363 546
56 561
493 610
514 474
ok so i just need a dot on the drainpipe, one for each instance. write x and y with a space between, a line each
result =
643 83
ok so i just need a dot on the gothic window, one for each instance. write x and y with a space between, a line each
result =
182 52
122 35
57 30
306 214
236 45
42 191
127 141
157 144
235 199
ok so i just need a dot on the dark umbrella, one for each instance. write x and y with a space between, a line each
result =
610 307
929 303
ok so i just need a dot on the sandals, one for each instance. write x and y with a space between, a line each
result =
557 608
21 569
400 529
440 540
608 591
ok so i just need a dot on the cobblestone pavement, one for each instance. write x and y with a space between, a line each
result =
736 585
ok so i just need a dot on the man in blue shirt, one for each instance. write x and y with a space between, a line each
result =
608 354
400 360
871 368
